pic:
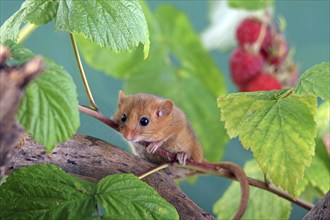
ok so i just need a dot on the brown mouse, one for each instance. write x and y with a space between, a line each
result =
148 120
157 121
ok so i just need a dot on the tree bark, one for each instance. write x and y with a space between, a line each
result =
321 210
13 81
93 159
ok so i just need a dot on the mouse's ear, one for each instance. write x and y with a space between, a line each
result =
165 108
121 96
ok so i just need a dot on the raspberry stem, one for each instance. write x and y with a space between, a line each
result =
256 46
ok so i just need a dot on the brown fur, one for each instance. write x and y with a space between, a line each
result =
166 123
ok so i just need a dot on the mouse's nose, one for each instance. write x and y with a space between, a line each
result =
130 136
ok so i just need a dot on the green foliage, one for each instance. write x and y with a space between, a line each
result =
119 25
10 29
318 174
262 204
315 81
35 11
47 192
119 65
49 109
250 4
279 128
130 198
310 194
185 51
39 12
323 119
178 67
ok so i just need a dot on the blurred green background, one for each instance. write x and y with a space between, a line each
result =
307 31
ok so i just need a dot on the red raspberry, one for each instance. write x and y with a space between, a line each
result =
276 53
248 32
263 81
244 66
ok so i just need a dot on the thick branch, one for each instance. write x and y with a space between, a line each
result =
13 81
205 167
93 159
321 210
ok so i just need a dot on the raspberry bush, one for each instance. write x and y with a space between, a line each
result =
261 60
283 128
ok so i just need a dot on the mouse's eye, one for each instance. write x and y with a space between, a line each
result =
123 118
144 121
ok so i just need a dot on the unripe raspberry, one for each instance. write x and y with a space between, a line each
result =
287 74
276 53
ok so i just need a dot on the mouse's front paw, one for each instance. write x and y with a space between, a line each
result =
152 148
182 157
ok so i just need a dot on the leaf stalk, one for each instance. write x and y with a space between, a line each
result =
154 170
82 72
25 32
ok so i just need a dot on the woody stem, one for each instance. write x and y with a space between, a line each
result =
203 167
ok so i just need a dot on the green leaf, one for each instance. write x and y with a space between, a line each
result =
45 192
310 194
40 11
323 119
318 173
120 24
279 128
49 109
120 65
262 204
302 185
37 12
185 51
178 67
250 4
130 198
315 81
104 59
10 28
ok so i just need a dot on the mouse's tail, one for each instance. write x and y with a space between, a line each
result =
238 172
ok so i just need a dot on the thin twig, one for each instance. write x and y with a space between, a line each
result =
98 115
207 167
203 167
82 72
154 170
268 187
